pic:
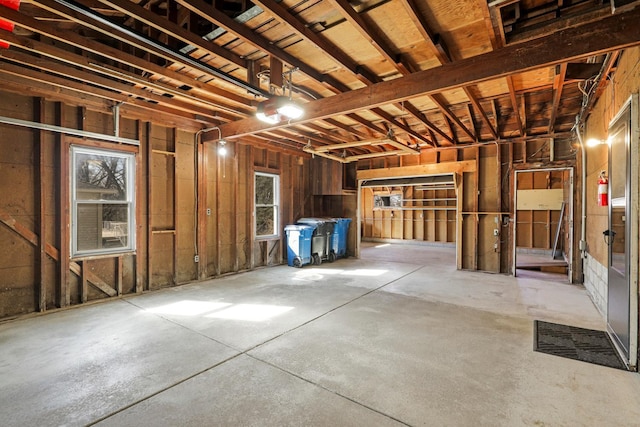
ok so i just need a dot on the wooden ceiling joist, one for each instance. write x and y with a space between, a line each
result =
612 33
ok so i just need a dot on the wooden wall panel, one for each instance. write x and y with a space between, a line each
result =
185 205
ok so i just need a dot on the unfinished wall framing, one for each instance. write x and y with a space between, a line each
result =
172 172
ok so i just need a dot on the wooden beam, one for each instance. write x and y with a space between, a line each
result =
514 104
608 34
430 126
440 102
388 117
558 85
483 115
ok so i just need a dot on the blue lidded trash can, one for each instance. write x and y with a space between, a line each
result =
298 244
340 236
321 239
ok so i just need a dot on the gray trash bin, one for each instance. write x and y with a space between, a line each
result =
321 240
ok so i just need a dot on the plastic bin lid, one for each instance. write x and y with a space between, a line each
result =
293 227
315 220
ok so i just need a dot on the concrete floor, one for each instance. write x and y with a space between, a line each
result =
369 342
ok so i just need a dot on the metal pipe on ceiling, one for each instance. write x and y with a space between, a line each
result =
177 55
68 131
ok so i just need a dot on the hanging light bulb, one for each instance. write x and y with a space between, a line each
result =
222 150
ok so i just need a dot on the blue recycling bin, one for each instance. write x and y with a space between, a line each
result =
321 239
340 236
298 244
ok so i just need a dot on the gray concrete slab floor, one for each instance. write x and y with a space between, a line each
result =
398 337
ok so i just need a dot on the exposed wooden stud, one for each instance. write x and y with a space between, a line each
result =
41 203
119 273
149 150
174 141
142 171
234 209
84 288
250 167
64 294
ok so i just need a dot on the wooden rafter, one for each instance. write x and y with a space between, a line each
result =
558 85
213 15
515 104
107 52
281 14
442 106
608 34
372 35
103 87
74 16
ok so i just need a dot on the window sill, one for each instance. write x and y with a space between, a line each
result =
90 257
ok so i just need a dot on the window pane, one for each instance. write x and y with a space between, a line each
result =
264 190
265 221
102 226
100 177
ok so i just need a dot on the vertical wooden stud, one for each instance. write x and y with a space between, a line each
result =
174 135
41 293
84 288
234 209
139 216
119 275
148 144
219 160
250 203
202 217
64 295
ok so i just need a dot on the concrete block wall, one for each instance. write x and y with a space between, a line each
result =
596 283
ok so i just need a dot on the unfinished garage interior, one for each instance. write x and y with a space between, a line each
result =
153 152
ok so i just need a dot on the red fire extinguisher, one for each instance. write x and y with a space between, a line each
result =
603 190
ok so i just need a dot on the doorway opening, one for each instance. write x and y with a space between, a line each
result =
543 229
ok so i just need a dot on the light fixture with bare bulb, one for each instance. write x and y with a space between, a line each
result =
222 149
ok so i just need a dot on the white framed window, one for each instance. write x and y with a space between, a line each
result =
387 201
267 201
102 201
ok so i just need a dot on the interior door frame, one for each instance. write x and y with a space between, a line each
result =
569 213
634 181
